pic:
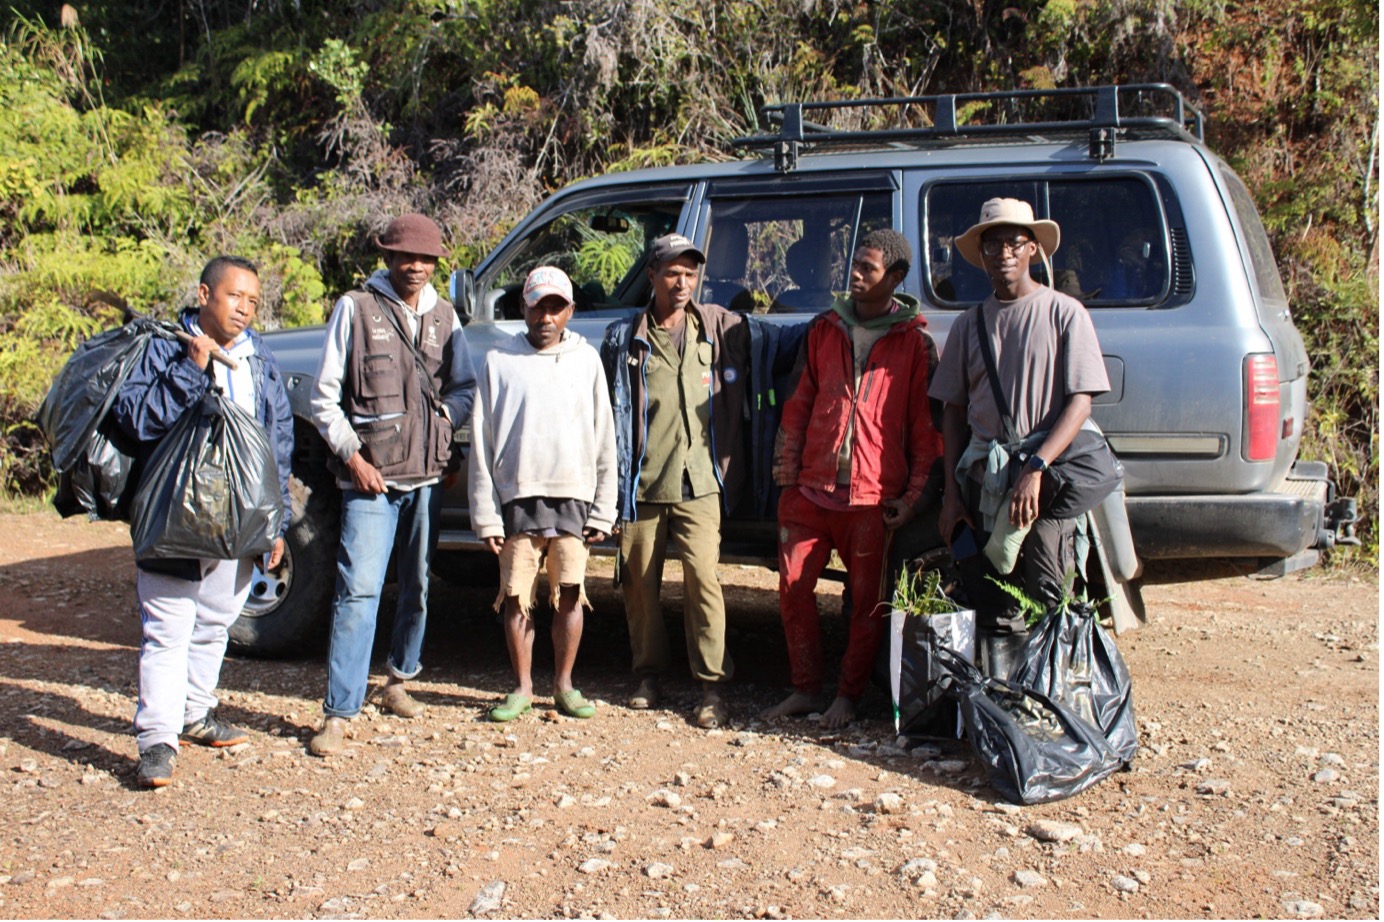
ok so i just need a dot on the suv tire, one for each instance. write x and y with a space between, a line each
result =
288 611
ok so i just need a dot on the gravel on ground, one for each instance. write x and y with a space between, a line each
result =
1255 791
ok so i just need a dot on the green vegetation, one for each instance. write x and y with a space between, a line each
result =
141 140
1035 611
920 593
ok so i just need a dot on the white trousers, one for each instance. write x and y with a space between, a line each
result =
185 629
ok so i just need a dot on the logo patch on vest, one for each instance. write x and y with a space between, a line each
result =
730 375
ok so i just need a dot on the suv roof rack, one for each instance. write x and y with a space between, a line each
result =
1175 119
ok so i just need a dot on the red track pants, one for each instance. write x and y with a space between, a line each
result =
807 535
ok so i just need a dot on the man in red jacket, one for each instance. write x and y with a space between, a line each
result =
853 453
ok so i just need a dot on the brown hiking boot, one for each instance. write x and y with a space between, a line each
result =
331 739
398 701
646 695
712 713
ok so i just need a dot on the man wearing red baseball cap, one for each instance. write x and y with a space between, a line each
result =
394 380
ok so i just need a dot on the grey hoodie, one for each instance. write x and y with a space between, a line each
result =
542 426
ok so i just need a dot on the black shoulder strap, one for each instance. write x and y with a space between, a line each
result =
988 353
418 361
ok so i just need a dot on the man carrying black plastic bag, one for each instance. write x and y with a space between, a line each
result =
188 604
1003 429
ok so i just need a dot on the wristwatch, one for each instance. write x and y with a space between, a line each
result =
1036 463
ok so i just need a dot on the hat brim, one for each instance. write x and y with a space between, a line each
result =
695 253
546 291
435 252
1045 232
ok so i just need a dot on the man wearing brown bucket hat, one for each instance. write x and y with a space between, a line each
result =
394 379
1048 365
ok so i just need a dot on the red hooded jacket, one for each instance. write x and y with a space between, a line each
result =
896 441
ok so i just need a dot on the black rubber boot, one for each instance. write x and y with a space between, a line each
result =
999 653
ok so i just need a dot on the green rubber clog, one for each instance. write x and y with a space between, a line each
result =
514 706
573 704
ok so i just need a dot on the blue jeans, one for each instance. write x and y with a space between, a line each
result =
372 525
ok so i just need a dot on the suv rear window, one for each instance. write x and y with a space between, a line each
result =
1260 253
786 253
1113 249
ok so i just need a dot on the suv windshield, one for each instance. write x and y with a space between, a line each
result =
600 246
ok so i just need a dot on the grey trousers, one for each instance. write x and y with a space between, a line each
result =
185 625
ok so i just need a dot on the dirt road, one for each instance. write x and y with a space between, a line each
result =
1255 792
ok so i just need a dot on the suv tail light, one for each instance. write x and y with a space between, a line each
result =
1261 395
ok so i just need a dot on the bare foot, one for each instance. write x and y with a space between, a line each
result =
841 712
796 703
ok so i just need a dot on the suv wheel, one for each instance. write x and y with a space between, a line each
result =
288 610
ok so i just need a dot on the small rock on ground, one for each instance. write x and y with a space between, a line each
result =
1053 831
488 899
1303 909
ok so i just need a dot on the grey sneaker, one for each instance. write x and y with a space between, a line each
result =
156 765
211 732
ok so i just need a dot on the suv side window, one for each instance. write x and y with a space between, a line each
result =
1113 248
786 253
601 247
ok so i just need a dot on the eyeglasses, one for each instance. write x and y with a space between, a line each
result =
996 247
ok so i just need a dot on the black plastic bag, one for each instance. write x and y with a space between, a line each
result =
94 460
211 487
1069 657
103 480
1034 749
921 709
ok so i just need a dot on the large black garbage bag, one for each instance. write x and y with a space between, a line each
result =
210 489
94 460
101 482
1034 749
1069 657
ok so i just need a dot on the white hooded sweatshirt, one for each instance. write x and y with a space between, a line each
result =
542 426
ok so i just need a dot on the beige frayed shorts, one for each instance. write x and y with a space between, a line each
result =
521 558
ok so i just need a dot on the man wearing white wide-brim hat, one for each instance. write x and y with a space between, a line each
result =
1048 365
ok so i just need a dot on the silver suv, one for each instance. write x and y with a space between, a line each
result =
1160 240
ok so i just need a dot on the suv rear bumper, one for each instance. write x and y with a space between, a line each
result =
1281 523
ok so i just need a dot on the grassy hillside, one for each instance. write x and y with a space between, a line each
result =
134 143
